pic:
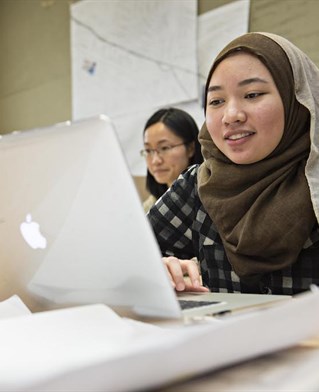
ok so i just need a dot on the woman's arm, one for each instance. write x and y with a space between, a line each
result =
172 219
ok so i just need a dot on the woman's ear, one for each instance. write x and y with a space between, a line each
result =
190 149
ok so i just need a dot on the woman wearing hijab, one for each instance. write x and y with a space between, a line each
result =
250 212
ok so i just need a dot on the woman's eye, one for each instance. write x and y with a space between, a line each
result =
253 95
215 102
165 148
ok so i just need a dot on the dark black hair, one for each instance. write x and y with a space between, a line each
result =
183 126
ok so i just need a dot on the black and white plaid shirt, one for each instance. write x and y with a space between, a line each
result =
184 229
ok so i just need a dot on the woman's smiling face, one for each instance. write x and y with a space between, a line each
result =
244 110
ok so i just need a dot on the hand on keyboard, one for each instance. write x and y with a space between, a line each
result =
184 274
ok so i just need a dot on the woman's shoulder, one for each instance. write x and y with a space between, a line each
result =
191 171
181 196
188 179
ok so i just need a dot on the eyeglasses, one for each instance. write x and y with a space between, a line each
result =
161 151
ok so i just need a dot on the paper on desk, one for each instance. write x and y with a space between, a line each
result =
13 307
90 348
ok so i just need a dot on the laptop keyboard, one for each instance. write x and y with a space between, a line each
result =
190 304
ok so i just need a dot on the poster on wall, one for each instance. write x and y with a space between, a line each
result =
132 55
216 28
130 58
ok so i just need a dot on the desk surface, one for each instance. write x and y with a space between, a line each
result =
291 370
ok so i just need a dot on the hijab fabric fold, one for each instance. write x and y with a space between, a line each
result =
265 211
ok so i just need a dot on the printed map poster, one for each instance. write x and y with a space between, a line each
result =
132 57
129 55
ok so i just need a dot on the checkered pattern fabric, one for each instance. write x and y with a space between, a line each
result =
184 229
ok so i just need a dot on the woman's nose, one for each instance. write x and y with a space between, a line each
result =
156 157
233 114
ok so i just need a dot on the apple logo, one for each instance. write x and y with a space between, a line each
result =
31 233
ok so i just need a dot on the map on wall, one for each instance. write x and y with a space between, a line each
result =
132 57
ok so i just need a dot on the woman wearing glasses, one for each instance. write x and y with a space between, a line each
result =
170 146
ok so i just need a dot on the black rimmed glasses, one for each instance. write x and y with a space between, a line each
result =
160 151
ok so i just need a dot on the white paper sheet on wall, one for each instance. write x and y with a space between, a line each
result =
218 27
130 58
132 55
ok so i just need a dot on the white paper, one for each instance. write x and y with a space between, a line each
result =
13 307
126 65
132 55
90 348
216 29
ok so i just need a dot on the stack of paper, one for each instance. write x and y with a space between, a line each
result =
90 348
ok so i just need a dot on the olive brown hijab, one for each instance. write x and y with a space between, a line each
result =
265 211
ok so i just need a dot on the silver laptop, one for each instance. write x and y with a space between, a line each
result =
73 230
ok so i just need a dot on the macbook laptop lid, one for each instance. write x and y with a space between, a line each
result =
72 227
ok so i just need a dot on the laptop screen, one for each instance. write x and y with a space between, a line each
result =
73 229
